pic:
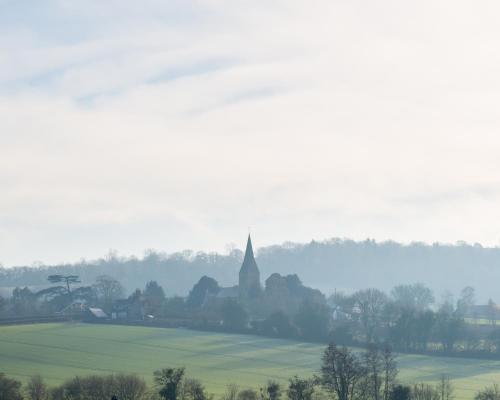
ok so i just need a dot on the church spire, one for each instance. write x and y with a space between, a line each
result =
249 282
249 251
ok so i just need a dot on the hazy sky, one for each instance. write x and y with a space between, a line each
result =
179 124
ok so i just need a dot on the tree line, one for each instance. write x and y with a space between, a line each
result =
408 318
321 264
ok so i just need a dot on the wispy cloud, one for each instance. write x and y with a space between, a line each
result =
185 122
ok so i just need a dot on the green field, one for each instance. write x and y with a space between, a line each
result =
482 321
60 351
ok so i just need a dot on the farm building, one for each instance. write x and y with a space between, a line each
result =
95 314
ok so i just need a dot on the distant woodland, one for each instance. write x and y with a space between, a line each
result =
336 264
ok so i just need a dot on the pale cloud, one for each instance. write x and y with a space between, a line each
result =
179 124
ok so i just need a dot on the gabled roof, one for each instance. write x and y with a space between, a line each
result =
97 312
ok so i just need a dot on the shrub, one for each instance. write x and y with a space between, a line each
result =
10 388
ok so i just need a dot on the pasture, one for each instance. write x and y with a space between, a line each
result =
61 351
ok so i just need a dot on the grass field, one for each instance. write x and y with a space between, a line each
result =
61 351
482 321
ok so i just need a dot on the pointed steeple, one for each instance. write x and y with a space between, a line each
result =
249 282
249 257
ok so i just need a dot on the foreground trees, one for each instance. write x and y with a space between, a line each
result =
341 372
372 376
345 375
300 389
490 393
10 388
271 391
348 376
168 381
400 392
36 389
123 387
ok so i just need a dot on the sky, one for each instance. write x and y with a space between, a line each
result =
176 125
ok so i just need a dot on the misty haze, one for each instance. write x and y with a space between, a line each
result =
329 265
249 200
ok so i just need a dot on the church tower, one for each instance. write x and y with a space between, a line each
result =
249 283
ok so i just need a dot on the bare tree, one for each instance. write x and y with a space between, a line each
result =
192 389
466 301
490 393
36 388
445 388
416 296
231 393
371 303
423 391
341 372
108 290
129 387
390 372
374 369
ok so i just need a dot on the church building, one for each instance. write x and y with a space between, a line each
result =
249 278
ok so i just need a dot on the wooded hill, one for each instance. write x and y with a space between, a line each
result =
328 265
